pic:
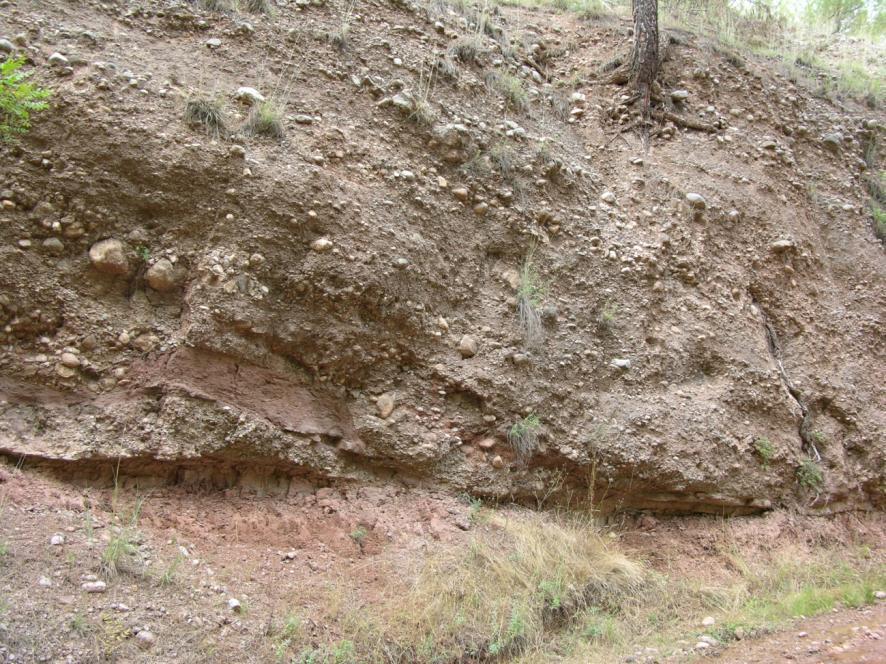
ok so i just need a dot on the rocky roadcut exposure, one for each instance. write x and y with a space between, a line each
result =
339 331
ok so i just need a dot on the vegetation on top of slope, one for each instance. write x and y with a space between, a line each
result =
802 43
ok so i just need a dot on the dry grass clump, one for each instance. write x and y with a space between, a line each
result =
532 587
251 6
206 113
422 113
511 88
468 48
340 37
522 575
530 292
523 435
218 5
257 6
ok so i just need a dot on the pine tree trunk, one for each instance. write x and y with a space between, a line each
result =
644 61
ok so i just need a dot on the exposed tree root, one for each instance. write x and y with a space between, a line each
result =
685 122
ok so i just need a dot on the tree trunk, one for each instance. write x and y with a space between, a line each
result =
644 61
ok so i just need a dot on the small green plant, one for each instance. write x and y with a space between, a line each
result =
266 119
143 253
359 534
820 437
529 296
599 627
288 634
344 652
19 98
475 510
513 634
607 316
4 550
765 450
523 435
552 593
207 114
171 570
810 475
309 656
78 624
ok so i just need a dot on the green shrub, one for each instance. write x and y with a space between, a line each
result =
810 475
765 450
18 99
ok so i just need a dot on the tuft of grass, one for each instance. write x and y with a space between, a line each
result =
586 9
79 625
117 555
218 5
266 119
19 98
446 68
810 475
167 578
608 316
208 114
529 296
599 627
879 215
523 435
504 159
519 577
257 6
422 113
511 88
468 48
339 37
477 166
4 550
765 450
